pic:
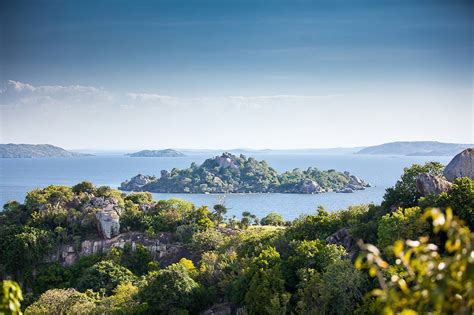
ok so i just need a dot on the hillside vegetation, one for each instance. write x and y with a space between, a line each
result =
183 259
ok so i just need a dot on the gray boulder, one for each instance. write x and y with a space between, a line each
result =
462 165
427 184
308 186
109 222
107 215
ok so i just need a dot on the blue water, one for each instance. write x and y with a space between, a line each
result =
18 176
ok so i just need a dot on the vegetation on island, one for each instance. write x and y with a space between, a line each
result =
421 260
156 153
12 150
229 173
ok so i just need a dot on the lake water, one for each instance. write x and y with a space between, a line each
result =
18 176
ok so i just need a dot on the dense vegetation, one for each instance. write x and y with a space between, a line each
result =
421 261
156 153
239 174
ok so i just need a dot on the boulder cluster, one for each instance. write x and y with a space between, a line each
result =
462 165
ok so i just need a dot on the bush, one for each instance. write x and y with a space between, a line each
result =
170 289
272 219
104 276
207 240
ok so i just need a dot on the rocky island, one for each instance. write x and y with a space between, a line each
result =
156 153
12 150
229 173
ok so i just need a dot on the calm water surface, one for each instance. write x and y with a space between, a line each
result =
18 176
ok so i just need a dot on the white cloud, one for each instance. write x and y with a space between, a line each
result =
78 116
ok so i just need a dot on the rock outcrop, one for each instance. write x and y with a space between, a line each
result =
107 215
137 182
308 186
427 184
161 248
226 161
462 165
343 238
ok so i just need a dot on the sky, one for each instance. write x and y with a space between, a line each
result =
235 74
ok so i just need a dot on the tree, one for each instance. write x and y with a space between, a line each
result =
425 278
138 260
171 213
169 289
400 224
84 187
140 198
272 218
207 240
405 194
219 213
200 220
104 276
337 290
266 292
62 301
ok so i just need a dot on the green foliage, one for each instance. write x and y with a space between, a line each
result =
404 193
200 219
266 292
10 299
62 301
138 260
84 187
400 224
104 276
272 219
170 213
124 301
239 174
311 227
169 290
460 198
140 198
430 279
51 196
219 213
24 248
207 240
337 290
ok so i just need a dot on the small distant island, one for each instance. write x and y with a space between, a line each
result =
229 173
12 150
156 153
416 148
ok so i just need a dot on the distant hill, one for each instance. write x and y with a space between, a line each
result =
11 150
416 148
156 153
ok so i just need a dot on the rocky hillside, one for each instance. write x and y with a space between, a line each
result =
12 150
229 173
416 148
156 153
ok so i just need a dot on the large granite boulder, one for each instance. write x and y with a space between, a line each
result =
107 215
226 161
136 183
462 165
427 184
109 222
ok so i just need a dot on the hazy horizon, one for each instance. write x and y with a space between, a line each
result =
100 75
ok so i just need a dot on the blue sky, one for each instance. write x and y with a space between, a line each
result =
264 73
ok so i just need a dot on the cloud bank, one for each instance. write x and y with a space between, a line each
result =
76 116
